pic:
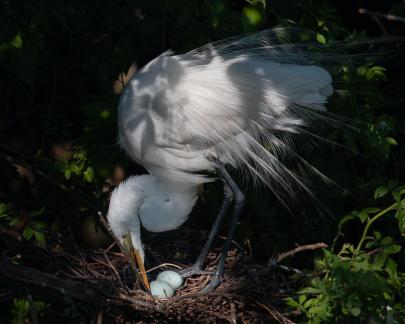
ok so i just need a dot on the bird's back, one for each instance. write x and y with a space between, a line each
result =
179 110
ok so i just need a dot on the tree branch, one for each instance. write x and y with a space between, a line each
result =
298 249
35 277
388 17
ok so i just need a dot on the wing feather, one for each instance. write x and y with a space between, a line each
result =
229 99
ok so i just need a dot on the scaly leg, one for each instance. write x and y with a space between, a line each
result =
238 208
197 267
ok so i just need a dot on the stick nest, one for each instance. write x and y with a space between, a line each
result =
101 284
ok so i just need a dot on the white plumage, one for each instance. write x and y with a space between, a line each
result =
239 101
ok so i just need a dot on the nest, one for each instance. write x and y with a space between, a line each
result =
102 286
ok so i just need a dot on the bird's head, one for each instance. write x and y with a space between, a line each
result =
158 206
123 212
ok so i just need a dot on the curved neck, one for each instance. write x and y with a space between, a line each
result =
159 206
167 206
123 212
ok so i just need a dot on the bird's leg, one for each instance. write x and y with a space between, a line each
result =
239 198
197 267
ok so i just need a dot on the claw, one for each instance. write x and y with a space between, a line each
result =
196 270
215 282
191 271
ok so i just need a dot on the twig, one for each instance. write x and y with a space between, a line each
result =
375 41
99 317
113 269
375 251
298 249
63 286
163 265
275 314
176 299
137 304
388 17
380 24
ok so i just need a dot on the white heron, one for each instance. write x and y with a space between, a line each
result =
236 102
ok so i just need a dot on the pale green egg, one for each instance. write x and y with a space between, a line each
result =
171 277
161 289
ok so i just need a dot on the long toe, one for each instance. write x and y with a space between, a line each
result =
215 282
193 270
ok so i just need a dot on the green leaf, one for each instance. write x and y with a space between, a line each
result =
291 302
370 210
345 220
391 268
387 240
39 224
74 168
398 192
39 236
364 214
392 249
361 70
310 290
28 233
88 174
400 216
391 141
14 221
68 173
320 38
302 299
387 296
381 191
3 209
17 41
252 17
37 212
380 260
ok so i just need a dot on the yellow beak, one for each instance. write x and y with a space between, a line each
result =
135 259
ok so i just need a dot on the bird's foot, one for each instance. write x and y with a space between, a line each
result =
214 283
193 270
197 270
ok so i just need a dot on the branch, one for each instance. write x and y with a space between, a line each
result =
388 17
376 41
35 277
298 249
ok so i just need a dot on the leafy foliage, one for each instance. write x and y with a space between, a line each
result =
357 285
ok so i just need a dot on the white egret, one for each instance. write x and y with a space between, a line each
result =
236 102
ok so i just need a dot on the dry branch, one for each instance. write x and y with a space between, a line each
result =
35 277
298 249
388 17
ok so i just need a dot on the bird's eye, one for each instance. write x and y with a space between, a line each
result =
167 199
